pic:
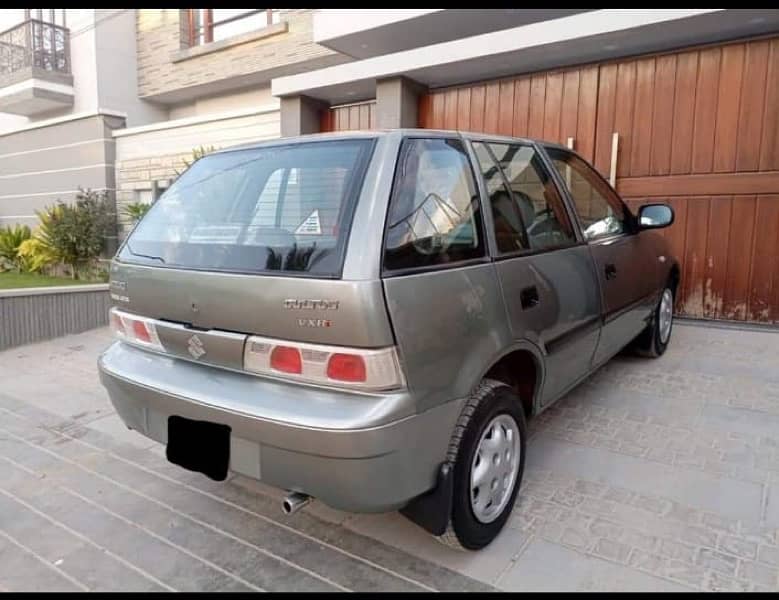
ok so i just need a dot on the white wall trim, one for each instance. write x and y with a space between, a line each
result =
74 117
28 84
18 217
54 193
59 289
197 120
92 141
82 168
577 26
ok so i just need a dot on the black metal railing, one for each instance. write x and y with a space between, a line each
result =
35 43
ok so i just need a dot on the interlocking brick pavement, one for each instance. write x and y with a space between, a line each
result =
652 475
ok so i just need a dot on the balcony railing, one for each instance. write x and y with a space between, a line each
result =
36 44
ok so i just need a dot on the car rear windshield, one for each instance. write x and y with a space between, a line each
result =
274 209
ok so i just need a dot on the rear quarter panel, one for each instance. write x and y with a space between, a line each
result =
450 325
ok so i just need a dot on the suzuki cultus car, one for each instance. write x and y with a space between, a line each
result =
370 318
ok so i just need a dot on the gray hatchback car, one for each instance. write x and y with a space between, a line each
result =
369 318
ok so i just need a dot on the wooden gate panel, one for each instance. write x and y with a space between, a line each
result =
349 117
697 128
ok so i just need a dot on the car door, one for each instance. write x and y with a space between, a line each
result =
544 269
617 251
442 295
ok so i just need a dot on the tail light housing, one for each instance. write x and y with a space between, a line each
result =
135 329
357 368
334 366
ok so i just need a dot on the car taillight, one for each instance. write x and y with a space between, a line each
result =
346 367
326 365
140 332
135 329
286 360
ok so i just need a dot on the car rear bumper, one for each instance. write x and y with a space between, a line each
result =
354 452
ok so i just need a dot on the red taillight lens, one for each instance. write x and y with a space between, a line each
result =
346 367
140 332
286 359
135 330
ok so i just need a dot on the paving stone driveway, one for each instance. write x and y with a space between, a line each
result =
653 475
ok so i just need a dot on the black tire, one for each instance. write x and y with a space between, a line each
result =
490 399
649 343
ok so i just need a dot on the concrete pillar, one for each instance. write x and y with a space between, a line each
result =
397 101
300 115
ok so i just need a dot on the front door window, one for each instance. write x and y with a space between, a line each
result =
601 212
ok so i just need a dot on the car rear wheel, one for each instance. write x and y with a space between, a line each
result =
488 454
654 340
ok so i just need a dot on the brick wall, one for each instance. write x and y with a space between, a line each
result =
162 34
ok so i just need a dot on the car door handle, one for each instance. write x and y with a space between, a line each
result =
528 297
611 271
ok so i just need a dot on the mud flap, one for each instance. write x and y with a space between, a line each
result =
432 510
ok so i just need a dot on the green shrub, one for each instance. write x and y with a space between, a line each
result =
77 232
36 255
11 238
136 210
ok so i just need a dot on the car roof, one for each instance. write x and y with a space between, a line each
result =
376 133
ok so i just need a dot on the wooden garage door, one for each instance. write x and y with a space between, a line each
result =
699 129
349 117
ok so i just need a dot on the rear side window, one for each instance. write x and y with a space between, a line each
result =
273 209
533 213
434 217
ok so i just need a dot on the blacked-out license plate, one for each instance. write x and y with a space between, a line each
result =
199 446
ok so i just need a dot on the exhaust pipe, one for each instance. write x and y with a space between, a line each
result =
294 502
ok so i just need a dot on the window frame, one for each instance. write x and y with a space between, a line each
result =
543 163
481 226
630 218
205 31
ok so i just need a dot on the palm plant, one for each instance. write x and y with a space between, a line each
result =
136 210
11 238
197 154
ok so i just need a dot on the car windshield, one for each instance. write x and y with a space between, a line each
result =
277 208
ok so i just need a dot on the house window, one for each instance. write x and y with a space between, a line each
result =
213 24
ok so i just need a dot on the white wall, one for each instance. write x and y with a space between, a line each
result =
182 135
81 22
117 70
247 99
10 17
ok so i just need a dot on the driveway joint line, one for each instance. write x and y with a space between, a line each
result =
42 560
188 517
236 506
84 538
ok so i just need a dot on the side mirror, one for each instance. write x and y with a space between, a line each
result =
655 216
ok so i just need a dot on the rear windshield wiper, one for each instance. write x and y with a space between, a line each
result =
134 253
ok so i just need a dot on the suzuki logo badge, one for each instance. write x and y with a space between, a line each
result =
195 347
